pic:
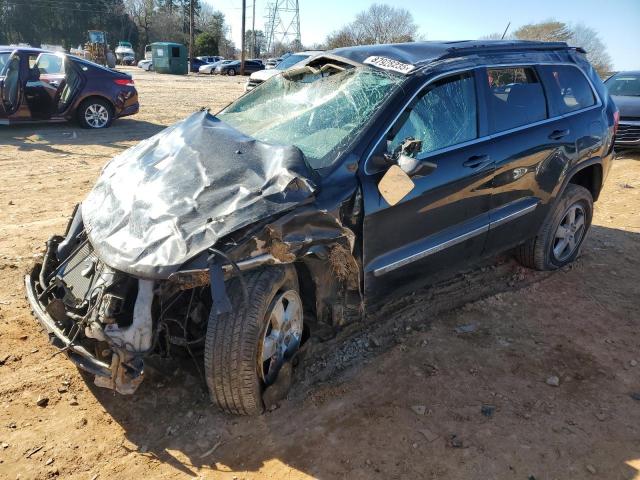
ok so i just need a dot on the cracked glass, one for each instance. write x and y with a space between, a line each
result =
318 112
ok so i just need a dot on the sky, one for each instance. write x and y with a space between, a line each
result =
616 21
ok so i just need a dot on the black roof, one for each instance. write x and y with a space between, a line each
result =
422 53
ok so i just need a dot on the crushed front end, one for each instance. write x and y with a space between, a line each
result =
100 317
106 320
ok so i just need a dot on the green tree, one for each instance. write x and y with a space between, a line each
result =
206 44
548 31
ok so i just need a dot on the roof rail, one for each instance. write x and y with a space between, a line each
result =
508 46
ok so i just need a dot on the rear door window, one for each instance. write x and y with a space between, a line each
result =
515 98
567 87
445 115
50 64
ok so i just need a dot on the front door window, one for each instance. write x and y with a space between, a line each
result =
445 115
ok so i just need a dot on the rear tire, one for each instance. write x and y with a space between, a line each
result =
560 238
235 341
95 113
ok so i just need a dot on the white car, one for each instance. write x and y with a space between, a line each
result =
260 76
209 68
145 65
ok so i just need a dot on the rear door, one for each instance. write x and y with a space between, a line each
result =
570 94
530 146
45 84
442 222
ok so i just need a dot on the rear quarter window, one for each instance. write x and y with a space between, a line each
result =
515 98
567 88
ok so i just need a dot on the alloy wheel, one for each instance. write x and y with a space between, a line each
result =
282 334
569 232
96 115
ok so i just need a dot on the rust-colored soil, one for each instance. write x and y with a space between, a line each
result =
350 414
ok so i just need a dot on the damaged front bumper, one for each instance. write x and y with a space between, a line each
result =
111 353
77 353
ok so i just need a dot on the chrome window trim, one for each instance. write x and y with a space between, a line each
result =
494 135
453 241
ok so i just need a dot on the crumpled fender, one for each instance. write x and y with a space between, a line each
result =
175 194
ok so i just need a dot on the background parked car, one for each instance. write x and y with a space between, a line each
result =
209 68
272 62
39 85
145 65
258 77
196 63
211 58
624 88
233 68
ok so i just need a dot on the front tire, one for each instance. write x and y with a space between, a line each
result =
560 238
95 113
231 72
245 348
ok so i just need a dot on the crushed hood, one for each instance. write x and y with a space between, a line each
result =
174 195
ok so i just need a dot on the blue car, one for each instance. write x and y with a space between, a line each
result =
40 85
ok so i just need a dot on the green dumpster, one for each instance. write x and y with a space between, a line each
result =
169 57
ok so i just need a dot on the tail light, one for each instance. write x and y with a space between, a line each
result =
616 121
125 82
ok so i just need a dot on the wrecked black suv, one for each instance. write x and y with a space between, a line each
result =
308 200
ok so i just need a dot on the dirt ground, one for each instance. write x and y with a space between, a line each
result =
449 382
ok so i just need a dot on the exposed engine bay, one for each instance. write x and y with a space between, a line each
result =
108 320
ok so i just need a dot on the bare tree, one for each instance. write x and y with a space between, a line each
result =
142 12
587 38
379 24
578 35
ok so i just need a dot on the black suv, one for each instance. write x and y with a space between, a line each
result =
309 200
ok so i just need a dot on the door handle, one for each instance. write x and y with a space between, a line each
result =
558 134
477 161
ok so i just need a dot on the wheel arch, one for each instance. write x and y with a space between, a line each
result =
588 174
89 96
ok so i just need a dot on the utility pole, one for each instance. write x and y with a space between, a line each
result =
253 29
190 33
244 15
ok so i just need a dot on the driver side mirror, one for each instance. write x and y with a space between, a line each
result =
415 167
404 157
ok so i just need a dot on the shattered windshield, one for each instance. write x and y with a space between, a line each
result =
318 112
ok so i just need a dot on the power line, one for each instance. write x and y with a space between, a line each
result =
283 23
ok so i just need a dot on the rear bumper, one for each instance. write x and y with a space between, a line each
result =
130 110
78 354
